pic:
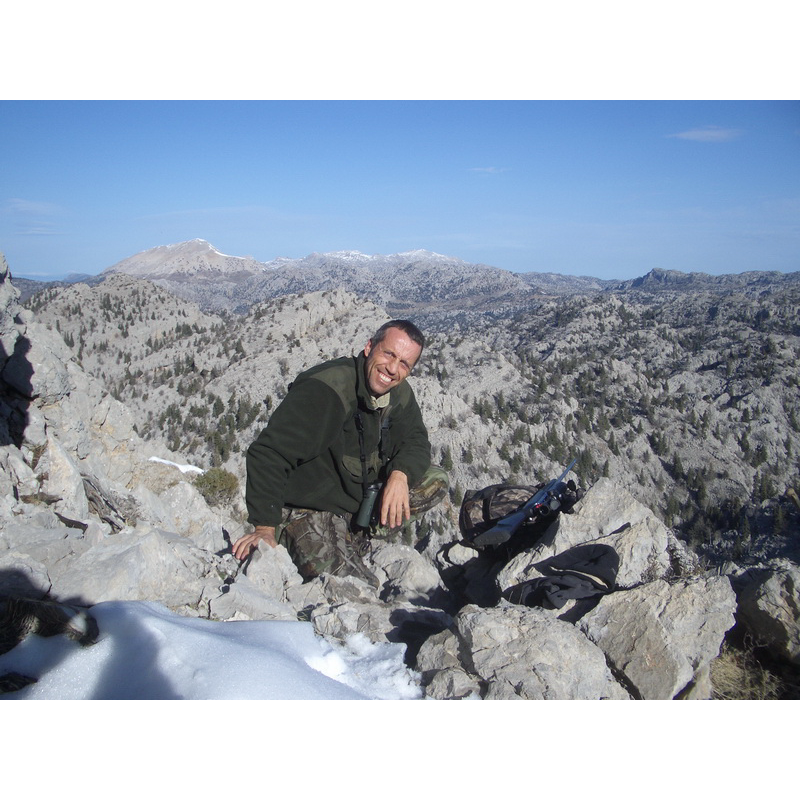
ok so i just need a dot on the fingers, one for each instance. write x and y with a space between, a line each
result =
401 513
395 504
243 546
246 544
395 511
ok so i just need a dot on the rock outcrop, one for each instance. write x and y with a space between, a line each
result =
87 515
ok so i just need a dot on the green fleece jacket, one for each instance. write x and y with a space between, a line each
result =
308 456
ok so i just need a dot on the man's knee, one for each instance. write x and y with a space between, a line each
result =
429 491
321 541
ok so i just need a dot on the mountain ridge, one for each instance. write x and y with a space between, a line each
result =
439 291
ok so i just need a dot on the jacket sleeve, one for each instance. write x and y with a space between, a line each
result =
288 441
410 446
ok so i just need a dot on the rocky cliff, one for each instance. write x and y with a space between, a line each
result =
91 511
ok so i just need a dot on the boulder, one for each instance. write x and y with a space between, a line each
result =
659 637
769 607
22 575
64 481
405 573
37 366
525 653
243 599
443 675
141 564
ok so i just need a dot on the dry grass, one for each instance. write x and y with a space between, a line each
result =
737 674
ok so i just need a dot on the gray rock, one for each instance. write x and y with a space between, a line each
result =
37 367
659 637
407 573
140 564
443 676
528 653
22 575
44 544
272 571
244 600
769 608
64 481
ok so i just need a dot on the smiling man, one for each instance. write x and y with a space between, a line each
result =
347 431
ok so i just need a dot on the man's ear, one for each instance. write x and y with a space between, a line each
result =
368 347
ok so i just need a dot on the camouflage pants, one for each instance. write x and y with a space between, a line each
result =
321 541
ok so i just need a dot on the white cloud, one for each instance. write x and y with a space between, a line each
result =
711 133
32 217
38 230
31 206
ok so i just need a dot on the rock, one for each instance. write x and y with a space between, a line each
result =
528 653
46 544
272 571
659 637
18 477
243 599
769 608
407 573
37 367
64 481
140 564
443 676
182 509
352 606
22 575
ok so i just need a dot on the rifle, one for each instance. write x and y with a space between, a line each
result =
548 500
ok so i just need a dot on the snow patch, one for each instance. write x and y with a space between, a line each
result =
146 652
184 468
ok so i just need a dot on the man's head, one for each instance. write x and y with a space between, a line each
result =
391 355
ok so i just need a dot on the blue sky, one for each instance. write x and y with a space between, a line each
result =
611 189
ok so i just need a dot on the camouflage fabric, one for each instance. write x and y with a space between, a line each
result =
321 541
423 496
481 509
430 491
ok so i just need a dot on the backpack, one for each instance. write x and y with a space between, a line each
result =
482 508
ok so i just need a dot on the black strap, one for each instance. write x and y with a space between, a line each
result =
383 437
361 447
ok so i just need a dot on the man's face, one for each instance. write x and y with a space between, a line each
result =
390 362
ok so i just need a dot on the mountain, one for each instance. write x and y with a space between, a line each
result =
687 399
681 409
194 260
661 280
28 287
417 282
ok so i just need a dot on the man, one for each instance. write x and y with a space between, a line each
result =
343 426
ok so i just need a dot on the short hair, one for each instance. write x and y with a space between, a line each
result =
408 328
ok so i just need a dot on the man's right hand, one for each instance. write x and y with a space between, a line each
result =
246 544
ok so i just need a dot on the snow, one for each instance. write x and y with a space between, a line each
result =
182 467
147 652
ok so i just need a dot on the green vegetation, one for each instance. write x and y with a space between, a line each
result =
218 486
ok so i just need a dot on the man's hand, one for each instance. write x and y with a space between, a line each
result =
395 504
246 544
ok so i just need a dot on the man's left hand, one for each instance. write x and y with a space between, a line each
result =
395 503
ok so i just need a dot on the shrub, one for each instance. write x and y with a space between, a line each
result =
218 486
